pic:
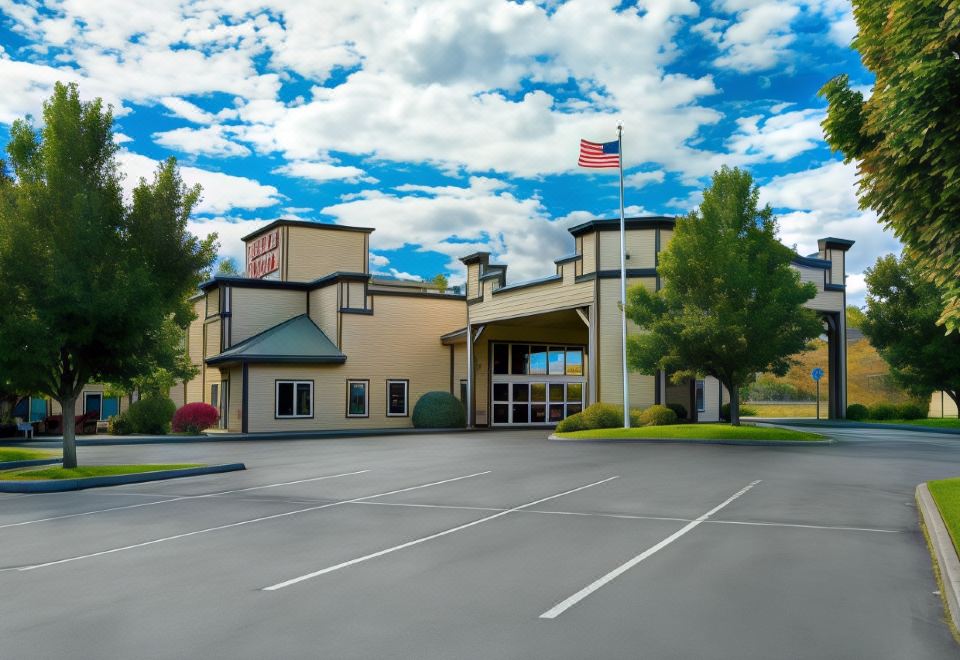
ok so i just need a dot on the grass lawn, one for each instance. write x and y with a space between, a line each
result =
7 454
946 493
787 409
85 471
695 432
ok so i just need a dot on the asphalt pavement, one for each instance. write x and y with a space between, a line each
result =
485 545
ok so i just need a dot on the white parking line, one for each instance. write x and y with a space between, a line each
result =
424 539
566 604
627 516
241 523
175 499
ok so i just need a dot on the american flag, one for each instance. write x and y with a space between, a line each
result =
599 154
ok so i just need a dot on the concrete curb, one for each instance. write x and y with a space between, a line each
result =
701 441
239 437
9 465
945 554
844 424
60 485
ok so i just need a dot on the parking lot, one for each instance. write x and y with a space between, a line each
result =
484 545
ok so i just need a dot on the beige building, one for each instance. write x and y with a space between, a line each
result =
314 341
941 405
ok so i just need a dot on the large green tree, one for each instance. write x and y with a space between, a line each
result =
91 284
906 136
730 305
901 323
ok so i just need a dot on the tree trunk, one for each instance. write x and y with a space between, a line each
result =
68 404
734 405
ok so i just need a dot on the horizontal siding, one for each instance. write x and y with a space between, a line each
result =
641 246
532 300
942 405
213 339
824 301
473 281
213 302
666 235
610 361
256 310
235 412
589 253
314 253
401 340
324 312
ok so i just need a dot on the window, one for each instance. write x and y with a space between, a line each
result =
357 398
556 361
110 408
463 392
396 398
215 395
501 354
294 398
93 403
574 362
699 397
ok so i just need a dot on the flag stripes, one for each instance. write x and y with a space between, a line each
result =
599 154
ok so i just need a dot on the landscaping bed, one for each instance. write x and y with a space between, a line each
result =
9 455
695 432
946 493
87 471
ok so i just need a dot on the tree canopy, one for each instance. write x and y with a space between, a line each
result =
906 136
730 305
901 323
92 285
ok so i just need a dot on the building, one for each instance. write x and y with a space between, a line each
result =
314 341
942 405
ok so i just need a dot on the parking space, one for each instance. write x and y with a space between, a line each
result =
482 545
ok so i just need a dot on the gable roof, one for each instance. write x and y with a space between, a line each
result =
295 340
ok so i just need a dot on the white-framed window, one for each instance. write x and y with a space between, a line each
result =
397 397
294 398
701 402
358 404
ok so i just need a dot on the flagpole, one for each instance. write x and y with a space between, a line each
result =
623 287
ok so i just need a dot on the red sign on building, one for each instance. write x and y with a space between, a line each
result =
263 254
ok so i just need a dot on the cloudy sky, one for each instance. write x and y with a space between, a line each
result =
453 125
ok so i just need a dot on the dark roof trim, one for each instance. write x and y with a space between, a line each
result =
284 222
417 294
491 274
613 224
830 243
475 257
452 337
338 276
615 274
253 283
524 285
810 262
568 258
308 359
834 287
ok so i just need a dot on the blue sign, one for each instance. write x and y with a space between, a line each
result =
817 373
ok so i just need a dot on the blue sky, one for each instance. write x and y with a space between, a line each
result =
453 126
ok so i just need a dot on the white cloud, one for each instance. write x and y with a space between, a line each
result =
482 216
780 137
757 38
194 113
641 179
321 171
207 141
229 231
221 192
378 260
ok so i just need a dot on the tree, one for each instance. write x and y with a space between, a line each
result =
906 136
901 323
855 317
91 284
730 305
440 282
228 266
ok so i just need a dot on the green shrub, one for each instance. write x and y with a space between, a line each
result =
678 409
120 424
151 414
574 422
882 411
657 415
857 411
911 411
439 410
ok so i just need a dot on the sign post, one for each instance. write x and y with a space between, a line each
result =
817 374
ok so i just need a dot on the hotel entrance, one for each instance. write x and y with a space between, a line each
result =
533 384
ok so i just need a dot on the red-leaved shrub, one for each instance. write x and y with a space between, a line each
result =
195 417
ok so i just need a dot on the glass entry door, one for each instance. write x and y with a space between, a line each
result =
536 383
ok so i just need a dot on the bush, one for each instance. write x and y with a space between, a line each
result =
745 411
120 424
678 409
195 417
598 416
152 415
857 411
658 415
574 422
439 410
912 411
883 411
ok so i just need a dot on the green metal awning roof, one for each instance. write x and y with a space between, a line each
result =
296 340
